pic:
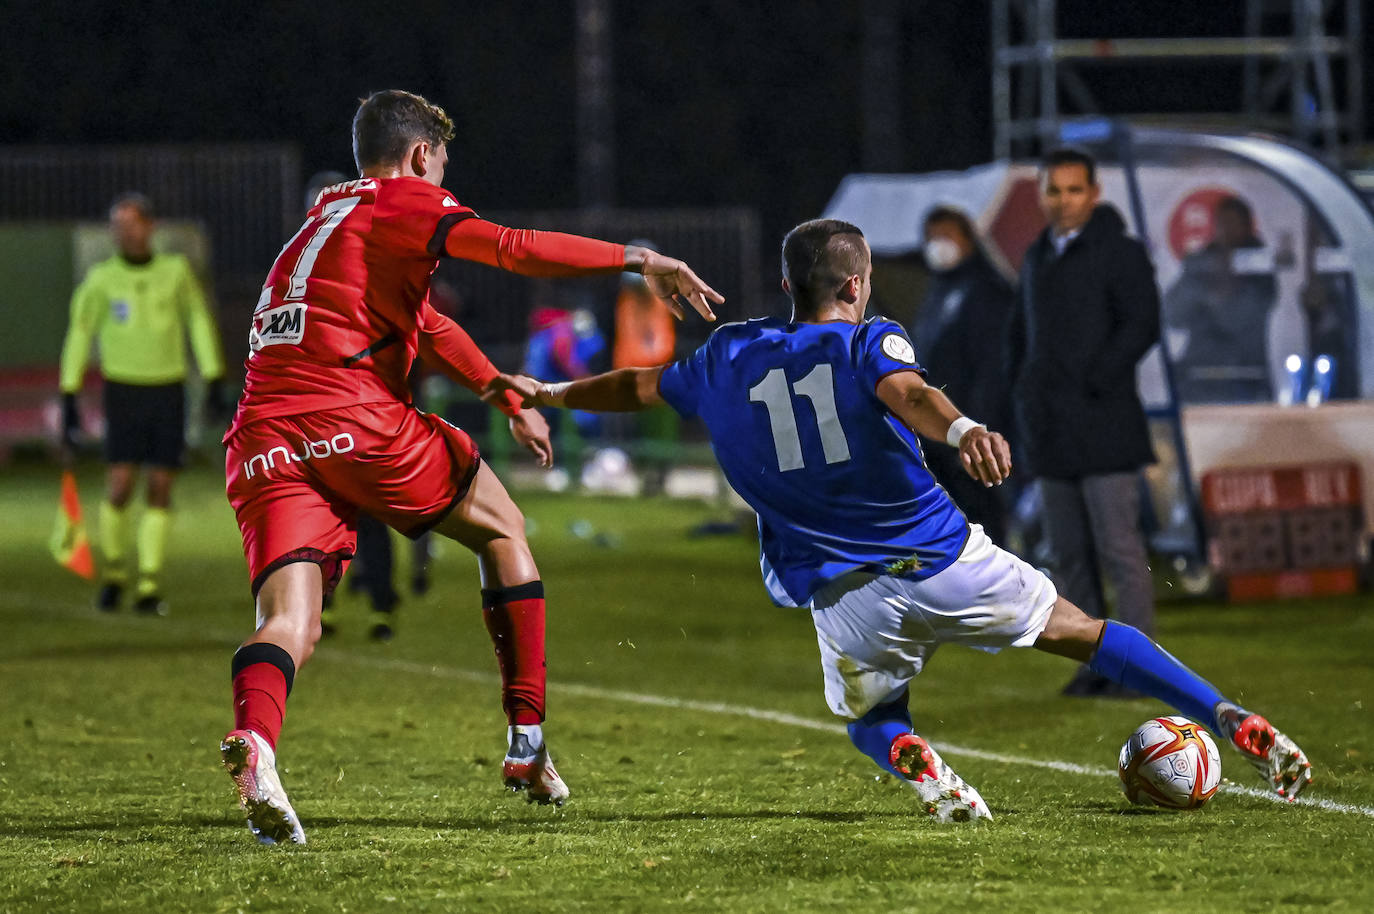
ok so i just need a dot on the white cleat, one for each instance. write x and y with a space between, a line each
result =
531 770
253 766
1279 761
945 796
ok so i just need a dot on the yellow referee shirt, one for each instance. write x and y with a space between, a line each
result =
140 315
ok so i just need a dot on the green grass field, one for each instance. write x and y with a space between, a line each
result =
686 716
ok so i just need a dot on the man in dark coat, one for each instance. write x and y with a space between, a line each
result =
956 339
1087 312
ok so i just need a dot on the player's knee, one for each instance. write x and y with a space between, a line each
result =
1070 632
299 635
508 534
513 524
159 491
311 636
309 631
120 489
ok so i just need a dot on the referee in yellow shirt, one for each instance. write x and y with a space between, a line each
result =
138 307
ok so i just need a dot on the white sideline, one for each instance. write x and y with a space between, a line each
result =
791 720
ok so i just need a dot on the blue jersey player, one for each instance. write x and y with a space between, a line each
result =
814 422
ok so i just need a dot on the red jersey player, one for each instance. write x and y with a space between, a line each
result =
326 429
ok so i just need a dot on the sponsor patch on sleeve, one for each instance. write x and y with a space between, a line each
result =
898 348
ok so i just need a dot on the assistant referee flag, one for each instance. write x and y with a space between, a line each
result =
69 544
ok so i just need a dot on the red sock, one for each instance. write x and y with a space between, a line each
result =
262 680
515 621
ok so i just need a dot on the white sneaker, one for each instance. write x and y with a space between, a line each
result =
531 769
253 766
945 795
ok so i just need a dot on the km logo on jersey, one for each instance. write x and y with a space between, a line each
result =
284 325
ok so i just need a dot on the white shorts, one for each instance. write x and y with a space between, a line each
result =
876 631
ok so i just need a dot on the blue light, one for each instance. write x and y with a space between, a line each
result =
1297 378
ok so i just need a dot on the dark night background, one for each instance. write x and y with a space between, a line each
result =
716 103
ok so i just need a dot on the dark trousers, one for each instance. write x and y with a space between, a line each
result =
1093 529
374 562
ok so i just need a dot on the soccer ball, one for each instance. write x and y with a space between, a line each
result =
1170 762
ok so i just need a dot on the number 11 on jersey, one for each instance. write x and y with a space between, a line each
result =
819 387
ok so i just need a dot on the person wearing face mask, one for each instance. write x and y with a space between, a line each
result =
957 335
1086 314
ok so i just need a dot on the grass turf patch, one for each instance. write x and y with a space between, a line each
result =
111 797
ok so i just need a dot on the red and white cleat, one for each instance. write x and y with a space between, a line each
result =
945 796
1279 761
253 766
531 769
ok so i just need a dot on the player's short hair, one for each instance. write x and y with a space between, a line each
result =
818 256
1068 155
135 199
388 122
952 215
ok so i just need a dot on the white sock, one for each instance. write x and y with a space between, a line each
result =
532 732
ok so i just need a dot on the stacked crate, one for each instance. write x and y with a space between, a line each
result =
1285 531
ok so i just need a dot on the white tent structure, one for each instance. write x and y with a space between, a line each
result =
1317 233
1313 220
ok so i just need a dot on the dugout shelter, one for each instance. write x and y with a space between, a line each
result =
1313 257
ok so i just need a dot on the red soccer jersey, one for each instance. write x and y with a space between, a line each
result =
344 311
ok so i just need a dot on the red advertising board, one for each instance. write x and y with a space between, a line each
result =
1285 531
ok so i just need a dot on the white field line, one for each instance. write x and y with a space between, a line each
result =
328 653
791 720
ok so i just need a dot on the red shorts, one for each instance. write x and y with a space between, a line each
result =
297 483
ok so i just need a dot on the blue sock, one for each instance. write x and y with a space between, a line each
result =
1128 656
873 733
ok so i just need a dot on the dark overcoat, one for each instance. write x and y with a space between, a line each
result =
1083 320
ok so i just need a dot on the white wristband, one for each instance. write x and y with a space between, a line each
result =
959 427
554 394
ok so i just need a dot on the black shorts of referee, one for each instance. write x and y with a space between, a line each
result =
145 424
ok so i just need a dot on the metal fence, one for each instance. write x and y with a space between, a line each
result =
248 196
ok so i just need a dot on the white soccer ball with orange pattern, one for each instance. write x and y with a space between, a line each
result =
1170 762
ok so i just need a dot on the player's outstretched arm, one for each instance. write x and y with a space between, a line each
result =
927 411
550 254
621 391
673 281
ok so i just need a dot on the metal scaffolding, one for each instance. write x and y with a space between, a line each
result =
596 178
1288 55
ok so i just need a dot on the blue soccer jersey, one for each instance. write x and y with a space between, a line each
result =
838 482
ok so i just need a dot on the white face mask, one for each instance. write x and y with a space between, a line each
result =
942 254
